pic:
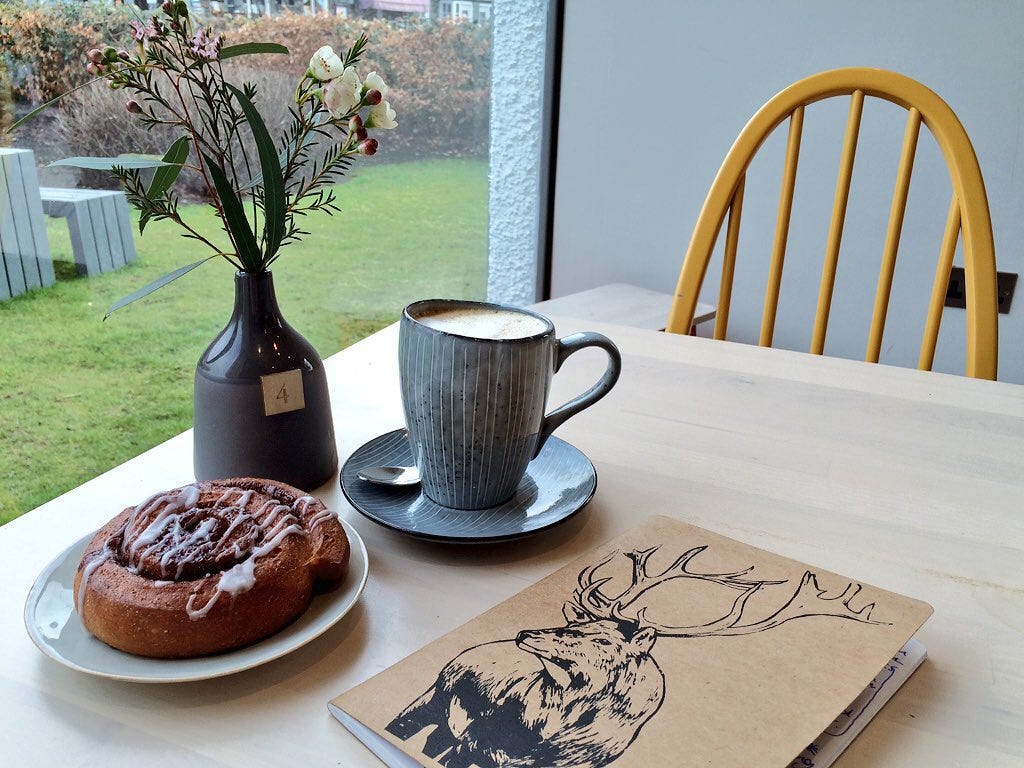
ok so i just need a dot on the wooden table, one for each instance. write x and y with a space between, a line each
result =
623 304
911 481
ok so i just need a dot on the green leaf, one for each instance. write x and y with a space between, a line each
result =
274 200
48 104
234 217
292 147
245 49
160 282
108 163
175 157
164 177
353 54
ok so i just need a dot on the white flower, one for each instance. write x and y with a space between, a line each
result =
325 64
341 95
375 82
381 116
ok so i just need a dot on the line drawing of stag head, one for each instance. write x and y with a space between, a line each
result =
578 695
586 644
589 602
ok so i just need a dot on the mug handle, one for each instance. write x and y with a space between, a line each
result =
566 347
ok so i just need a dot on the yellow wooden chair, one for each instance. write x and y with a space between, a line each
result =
968 214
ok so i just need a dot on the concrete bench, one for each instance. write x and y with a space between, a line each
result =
623 304
24 250
101 229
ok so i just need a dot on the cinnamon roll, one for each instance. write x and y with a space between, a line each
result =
208 567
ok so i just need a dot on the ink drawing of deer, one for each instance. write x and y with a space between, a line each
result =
578 695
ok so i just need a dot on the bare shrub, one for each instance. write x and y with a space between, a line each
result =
439 73
95 123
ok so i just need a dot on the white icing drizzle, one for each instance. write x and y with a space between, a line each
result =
167 529
88 571
173 501
169 504
320 517
277 521
242 576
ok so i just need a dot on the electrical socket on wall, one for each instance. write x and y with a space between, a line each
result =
1006 283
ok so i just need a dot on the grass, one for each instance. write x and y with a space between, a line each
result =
79 395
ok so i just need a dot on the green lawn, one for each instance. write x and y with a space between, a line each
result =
79 395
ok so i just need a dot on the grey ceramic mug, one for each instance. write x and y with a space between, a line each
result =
475 406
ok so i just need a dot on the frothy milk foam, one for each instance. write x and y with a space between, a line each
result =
484 323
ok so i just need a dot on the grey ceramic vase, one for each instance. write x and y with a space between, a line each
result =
262 408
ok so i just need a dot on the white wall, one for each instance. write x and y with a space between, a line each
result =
517 100
655 91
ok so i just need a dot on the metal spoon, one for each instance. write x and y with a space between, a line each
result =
394 476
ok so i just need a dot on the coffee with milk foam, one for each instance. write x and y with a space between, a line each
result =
484 323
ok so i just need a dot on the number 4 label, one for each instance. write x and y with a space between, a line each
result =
282 392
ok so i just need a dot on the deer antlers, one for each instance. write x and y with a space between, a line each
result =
809 599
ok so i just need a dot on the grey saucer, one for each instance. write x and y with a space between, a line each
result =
557 485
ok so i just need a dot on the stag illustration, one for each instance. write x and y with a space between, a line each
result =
578 695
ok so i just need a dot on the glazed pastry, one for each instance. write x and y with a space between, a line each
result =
208 567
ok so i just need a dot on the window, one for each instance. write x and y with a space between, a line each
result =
85 394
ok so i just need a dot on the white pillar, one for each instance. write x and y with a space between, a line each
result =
516 179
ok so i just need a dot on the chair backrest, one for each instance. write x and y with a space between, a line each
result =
968 215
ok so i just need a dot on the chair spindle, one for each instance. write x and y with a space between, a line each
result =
732 238
938 298
892 235
835 231
771 299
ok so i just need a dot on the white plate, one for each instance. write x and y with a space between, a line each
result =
53 625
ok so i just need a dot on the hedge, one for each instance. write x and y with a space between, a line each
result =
439 71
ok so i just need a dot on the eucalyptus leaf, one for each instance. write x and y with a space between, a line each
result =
164 177
108 163
235 219
273 180
160 282
175 156
244 49
48 104
282 156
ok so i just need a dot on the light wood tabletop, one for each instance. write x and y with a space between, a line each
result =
907 480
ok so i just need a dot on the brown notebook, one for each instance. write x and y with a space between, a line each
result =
668 645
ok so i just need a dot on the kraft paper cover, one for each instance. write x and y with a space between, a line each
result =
667 641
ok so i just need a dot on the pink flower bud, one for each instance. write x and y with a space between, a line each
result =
167 7
373 97
92 69
124 55
133 106
355 125
368 147
95 56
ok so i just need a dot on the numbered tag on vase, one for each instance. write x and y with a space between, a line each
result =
282 392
